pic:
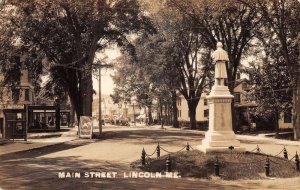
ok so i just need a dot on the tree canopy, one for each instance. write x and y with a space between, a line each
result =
69 33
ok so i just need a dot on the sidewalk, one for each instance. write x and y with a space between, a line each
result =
260 138
37 140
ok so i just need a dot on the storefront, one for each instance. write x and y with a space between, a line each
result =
15 123
47 118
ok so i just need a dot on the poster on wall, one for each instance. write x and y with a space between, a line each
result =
85 127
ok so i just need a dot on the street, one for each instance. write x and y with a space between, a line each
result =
39 168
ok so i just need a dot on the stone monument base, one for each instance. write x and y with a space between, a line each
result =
220 141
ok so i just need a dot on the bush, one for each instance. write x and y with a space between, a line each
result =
201 125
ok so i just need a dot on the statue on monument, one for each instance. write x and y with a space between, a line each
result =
220 56
220 135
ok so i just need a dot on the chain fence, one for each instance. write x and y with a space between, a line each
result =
146 159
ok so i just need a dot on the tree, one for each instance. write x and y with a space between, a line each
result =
231 22
283 18
184 55
270 85
69 33
139 79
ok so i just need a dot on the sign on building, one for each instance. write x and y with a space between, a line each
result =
85 127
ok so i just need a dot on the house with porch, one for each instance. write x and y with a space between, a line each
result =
241 103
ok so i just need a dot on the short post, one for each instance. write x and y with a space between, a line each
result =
297 162
187 147
231 148
285 154
143 157
168 164
158 151
257 149
267 166
217 167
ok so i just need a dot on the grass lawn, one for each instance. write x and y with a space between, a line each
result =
233 166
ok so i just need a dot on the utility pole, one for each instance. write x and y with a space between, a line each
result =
100 114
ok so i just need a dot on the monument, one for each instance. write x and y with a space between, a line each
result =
220 135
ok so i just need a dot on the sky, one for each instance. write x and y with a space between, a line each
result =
107 83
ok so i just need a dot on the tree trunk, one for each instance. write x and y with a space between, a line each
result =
233 112
72 116
75 95
296 108
87 94
276 124
175 110
161 114
87 77
192 113
150 118
167 122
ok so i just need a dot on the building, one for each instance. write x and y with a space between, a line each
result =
17 100
17 97
242 106
112 112
201 111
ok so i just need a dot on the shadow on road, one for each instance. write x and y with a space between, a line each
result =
42 150
42 173
167 137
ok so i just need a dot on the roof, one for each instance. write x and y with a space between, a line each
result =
239 81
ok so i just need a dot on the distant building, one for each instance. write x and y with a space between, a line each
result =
201 111
17 97
14 99
110 111
241 104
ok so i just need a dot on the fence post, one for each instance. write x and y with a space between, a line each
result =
257 149
285 154
217 167
143 157
187 147
168 164
158 151
297 161
267 166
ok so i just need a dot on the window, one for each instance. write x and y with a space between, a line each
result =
206 113
15 95
244 85
205 101
237 97
27 94
179 113
287 117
